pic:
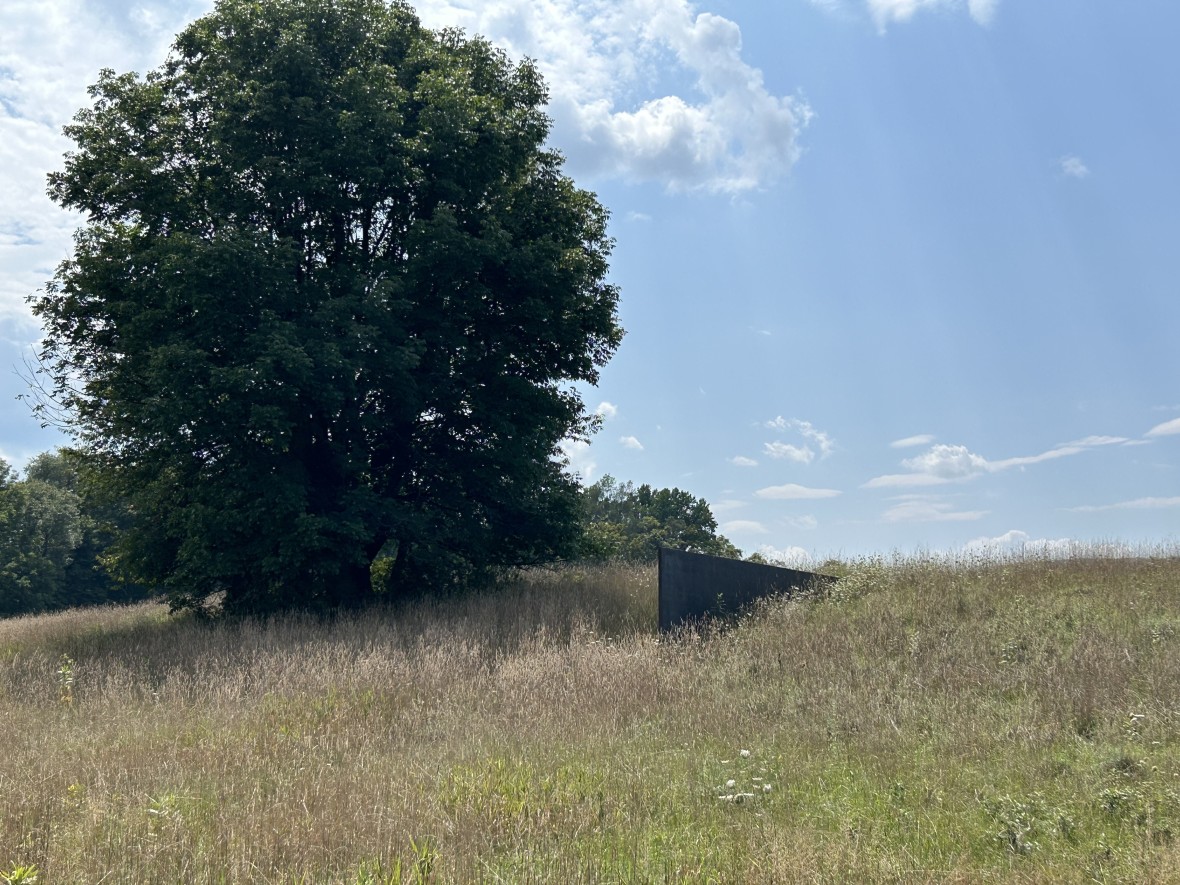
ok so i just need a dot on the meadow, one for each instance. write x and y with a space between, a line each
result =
928 720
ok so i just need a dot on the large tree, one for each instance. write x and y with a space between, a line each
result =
328 303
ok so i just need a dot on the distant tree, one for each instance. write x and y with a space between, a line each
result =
87 580
39 530
55 469
326 307
52 543
622 521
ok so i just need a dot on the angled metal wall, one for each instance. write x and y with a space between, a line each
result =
693 585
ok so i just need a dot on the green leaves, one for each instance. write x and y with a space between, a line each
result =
330 292
51 540
629 523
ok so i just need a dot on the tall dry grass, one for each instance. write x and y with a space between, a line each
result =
933 720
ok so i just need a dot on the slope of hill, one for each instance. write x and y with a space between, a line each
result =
930 721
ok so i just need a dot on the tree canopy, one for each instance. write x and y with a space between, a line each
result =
632 523
52 541
328 305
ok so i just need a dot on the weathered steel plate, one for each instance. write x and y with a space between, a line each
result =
694 585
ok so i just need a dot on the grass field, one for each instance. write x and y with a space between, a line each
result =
931 721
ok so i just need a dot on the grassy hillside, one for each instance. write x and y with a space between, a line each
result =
932 722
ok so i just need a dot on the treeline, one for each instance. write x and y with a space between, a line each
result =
53 539
622 521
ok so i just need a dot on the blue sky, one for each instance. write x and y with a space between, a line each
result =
896 274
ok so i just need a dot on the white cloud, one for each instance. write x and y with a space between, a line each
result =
983 11
805 523
1168 428
947 462
1060 451
743 461
716 127
898 10
1073 167
944 464
802 455
726 133
1092 441
922 439
786 556
1015 536
580 461
1018 542
820 438
919 508
21 459
747 526
830 5
630 442
606 410
50 52
727 505
1137 504
900 480
885 11
793 492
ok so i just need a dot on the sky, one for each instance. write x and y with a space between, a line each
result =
898 276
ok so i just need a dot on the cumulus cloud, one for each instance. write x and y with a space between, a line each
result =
799 454
1168 428
724 131
919 508
712 125
787 556
579 458
1073 167
945 463
1015 536
983 11
50 52
1016 542
743 461
606 411
630 442
803 454
793 492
